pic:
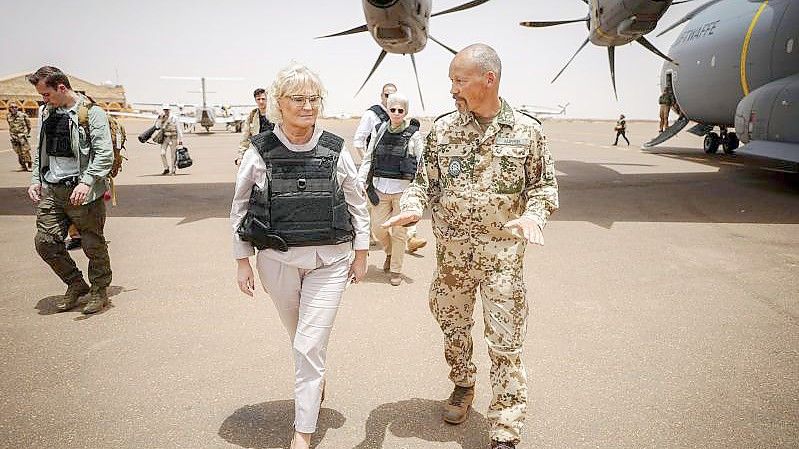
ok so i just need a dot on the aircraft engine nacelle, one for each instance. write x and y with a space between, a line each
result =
398 26
382 3
770 112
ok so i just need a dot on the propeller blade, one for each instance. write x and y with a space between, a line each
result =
377 63
570 60
648 45
439 43
551 23
462 7
681 1
688 16
612 61
358 29
416 74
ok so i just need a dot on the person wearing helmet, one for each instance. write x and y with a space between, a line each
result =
168 124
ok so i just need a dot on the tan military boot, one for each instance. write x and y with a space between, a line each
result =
457 407
415 243
99 299
72 296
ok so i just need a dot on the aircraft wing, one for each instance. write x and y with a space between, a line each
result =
188 120
543 111
230 119
147 115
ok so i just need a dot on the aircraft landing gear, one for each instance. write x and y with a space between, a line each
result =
729 142
712 141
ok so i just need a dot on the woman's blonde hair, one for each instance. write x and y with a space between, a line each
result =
294 79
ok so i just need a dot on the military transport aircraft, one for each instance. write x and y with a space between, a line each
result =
544 112
401 26
738 66
616 22
203 115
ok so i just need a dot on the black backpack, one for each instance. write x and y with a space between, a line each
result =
183 158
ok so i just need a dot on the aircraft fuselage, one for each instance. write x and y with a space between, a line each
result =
398 26
729 50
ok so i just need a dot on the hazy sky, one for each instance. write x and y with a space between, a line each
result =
142 40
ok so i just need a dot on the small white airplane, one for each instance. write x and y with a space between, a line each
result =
203 115
401 27
544 112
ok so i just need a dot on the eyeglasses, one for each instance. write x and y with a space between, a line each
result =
397 110
299 100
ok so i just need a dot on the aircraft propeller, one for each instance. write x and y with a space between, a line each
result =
362 28
688 16
611 49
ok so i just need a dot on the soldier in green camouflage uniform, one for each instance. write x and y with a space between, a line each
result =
489 179
19 128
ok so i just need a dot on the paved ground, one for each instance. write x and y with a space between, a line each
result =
665 315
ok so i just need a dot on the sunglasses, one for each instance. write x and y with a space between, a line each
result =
397 110
299 100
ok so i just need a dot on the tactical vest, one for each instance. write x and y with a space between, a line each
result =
391 156
169 127
303 204
381 114
58 135
263 123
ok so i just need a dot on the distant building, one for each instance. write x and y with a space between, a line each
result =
15 88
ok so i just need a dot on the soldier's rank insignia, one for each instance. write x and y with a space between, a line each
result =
455 167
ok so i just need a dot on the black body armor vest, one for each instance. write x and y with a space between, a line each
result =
391 157
381 114
58 136
264 124
303 204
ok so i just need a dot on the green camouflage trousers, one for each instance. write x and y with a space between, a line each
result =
495 267
53 217
23 150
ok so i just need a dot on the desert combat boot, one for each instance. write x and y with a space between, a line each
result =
99 299
457 407
72 296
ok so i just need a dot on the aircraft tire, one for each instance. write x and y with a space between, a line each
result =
711 144
730 143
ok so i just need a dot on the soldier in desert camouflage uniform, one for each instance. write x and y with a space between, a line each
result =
489 179
19 129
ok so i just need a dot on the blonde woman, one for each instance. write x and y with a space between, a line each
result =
305 218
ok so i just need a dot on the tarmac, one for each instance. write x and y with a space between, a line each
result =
664 314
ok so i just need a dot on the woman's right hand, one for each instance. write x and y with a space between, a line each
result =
245 277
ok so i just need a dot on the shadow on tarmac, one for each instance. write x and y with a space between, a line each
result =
590 192
376 275
46 306
421 418
270 424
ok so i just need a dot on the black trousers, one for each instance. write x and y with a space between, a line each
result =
622 134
